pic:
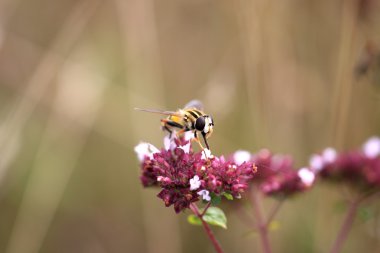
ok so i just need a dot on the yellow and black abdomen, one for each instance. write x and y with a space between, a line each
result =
173 123
185 122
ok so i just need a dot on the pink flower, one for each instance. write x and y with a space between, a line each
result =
360 168
178 171
276 174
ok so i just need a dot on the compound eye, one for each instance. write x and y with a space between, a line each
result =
200 123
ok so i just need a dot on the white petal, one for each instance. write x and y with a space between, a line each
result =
329 155
372 147
205 195
307 176
145 149
206 153
200 193
188 135
316 162
186 148
169 143
194 183
241 156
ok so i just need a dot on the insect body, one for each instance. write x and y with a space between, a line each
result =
191 118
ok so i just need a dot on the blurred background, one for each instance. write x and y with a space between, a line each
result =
292 76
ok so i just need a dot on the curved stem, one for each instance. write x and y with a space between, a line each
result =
261 223
349 220
207 228
345 228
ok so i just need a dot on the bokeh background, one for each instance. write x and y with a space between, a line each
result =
293 76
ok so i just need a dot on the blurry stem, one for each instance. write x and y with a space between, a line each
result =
348 221
42 76
262 225
342 93
346 226
244 217
274 211
209 232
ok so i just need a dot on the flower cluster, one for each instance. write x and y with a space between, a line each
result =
276 174
185 176
360 168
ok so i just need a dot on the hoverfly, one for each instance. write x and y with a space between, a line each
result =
190 118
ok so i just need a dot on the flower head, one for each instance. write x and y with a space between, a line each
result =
360 168
185 176
276 174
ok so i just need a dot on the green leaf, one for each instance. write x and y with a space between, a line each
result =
228 196
215 199
194 220
213 216
216 217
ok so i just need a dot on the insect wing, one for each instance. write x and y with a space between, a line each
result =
194 104
169 113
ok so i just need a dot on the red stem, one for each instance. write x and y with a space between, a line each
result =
205 209
346 225
207 228
261 223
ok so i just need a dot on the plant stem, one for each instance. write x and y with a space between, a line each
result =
205 209
261 223
207 228
274 211
244 217
346 226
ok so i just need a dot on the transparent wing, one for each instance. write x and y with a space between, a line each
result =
169 113
194 104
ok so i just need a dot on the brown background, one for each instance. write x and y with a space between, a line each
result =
275 74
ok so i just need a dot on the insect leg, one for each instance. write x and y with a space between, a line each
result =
197 140
180 132
169 131
205 140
